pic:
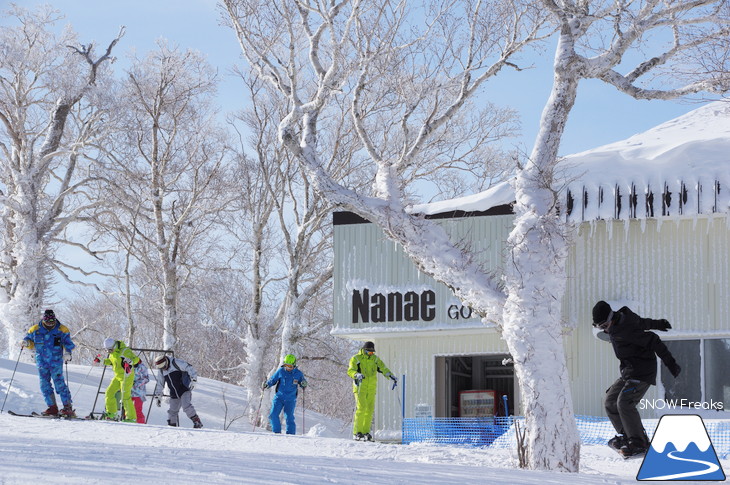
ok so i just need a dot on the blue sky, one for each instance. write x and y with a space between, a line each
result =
601 115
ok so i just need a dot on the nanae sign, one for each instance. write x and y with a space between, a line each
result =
401 306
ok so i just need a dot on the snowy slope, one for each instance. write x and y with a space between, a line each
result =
45 451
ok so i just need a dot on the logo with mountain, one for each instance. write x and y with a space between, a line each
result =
681 450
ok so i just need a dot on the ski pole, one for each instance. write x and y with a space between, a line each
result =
82 382
304 429
98 391
258 410
11 379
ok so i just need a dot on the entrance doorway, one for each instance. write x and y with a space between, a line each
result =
489 372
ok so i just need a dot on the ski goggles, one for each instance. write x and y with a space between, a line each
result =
288 366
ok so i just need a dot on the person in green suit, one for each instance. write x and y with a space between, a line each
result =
363 370
122 360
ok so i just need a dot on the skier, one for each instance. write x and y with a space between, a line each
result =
180 378
636 349
286 379
122 360
363 369
52 344
139 390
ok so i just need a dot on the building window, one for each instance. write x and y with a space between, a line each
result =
704 378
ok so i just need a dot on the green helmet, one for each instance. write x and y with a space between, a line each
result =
290 359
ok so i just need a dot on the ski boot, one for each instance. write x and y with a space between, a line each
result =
108 416
358 437
170 423
68 411
196 422
368 437
51 411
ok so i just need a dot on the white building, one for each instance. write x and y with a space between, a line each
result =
653 233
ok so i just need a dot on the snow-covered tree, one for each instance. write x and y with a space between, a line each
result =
649 50
51 93
163 176
409 70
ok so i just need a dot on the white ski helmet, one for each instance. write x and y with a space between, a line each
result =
109 343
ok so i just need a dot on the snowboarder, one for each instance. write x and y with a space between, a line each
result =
286 379
635 348
363 369
139 390
122 360
52 344
180 378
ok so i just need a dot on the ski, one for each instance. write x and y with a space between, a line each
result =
39 415
13 413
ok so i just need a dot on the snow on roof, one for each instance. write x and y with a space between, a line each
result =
500 194
681 167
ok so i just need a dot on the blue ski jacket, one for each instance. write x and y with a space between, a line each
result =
48 344
286 383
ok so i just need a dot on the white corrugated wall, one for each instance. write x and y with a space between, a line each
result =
675 269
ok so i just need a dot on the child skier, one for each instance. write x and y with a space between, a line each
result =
139 390
180 378
52 344
122 360
286 379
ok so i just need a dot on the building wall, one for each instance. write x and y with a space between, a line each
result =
678 269
675 269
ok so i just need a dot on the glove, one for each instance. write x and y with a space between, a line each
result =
394 379
67 357
674 368
264 385
358 378
192 384
664 325
303 384
97 359
24 343
158 400
127 366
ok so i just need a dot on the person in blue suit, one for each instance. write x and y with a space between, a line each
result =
285 379
52 344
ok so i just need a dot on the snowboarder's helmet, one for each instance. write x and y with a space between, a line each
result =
601 313
162 362
290 359
109 343
369 347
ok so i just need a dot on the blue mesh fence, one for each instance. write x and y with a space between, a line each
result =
499 432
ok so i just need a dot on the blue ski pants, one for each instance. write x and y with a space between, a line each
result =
55 372
277 404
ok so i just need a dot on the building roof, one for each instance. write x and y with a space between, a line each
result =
681 167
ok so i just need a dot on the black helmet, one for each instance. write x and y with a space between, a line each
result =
601 313
369 347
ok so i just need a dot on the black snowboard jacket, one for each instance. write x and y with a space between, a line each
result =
635 347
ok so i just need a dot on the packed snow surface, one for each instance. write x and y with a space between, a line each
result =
48 451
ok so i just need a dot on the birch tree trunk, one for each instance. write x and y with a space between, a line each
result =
535 285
